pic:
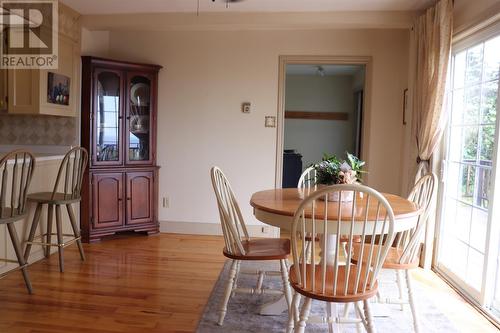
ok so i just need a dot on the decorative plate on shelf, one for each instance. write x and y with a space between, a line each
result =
139 94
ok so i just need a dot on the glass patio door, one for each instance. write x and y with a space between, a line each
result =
467 253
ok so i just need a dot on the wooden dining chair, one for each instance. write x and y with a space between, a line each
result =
240 247
67 191
308 180
403 255
16 171
339 281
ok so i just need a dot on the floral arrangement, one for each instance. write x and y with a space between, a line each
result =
331 170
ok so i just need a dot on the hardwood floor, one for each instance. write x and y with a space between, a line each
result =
146 284
135 284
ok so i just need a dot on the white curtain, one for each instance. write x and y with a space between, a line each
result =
433 34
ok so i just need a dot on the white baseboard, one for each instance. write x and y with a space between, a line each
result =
204 228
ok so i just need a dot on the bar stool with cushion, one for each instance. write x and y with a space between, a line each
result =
403 255
239 247
14 185
67 191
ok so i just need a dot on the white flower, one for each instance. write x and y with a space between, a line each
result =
344 167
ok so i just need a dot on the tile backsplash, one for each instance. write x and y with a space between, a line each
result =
38 130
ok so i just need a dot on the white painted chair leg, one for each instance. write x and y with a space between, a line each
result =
400 287
227 292
370 328
296 310
286 283
330 314
292 316
304 315
412 301
345 315
357 308
238 267
346 310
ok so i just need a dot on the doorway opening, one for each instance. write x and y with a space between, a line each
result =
322 114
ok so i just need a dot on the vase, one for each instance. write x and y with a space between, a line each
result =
347 196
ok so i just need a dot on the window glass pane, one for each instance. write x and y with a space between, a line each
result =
455 150
497 288
487 144
475 269
457 114
474 65
453 172
478 229
489 102
472 105
459 72
469 149
459 258
491 59
450 211
483 186
467 182
462 224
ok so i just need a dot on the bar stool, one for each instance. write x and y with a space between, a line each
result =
71 173
14 189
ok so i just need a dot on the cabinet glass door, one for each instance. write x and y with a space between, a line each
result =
107 116
139 114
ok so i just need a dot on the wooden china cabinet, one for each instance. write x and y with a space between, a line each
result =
119 108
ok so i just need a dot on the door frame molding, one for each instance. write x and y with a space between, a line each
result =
284 60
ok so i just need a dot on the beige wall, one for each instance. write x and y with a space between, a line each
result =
206 77
470 12
313 138
95 43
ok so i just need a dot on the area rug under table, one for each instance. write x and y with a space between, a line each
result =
243 309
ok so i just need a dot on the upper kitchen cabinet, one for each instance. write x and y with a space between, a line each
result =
50 91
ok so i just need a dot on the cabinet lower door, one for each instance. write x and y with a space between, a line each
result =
107 200
140 197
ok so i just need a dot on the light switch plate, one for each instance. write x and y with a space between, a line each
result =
245 107
270 121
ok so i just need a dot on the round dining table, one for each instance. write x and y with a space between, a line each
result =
277 208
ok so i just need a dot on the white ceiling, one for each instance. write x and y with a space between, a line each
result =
328 69
88 7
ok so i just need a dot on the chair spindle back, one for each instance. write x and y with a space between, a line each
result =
367 215
15 182
307 178
233 225
422 193
70 174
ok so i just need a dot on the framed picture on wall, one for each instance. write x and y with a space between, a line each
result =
58 88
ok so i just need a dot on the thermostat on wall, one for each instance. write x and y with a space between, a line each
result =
245 107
